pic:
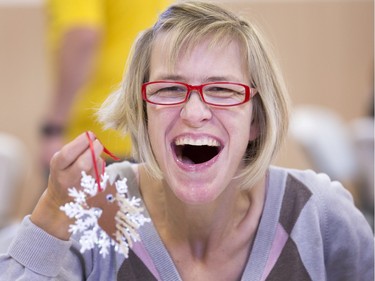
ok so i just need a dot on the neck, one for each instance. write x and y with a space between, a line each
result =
205 227
206 221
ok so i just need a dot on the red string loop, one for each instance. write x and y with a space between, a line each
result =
106 151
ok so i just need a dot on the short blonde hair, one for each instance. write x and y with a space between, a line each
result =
186 24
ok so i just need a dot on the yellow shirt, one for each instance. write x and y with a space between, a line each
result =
121 21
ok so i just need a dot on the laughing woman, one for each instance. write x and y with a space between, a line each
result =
207 111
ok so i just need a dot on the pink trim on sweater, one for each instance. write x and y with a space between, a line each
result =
140 250
281 236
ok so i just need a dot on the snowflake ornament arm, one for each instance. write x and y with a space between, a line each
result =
104 218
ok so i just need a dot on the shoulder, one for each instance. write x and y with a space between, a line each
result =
317 186
327 197
326 213
319 197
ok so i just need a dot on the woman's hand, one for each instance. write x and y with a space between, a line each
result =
65 172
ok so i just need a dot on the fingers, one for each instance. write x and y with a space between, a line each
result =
71 152
67 165
88 159
75 157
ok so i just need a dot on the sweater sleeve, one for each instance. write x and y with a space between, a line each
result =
348 238
36 255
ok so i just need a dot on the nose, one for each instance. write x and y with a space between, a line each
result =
195 112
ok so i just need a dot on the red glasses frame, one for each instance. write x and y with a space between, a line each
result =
249 92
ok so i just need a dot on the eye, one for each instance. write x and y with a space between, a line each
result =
216 89
110 198
224 93
220 91
168 91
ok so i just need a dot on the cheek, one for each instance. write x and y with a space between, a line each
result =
240 124
160 120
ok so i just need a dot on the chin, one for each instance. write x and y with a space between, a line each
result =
195 195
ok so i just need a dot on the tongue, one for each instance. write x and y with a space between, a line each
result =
186 160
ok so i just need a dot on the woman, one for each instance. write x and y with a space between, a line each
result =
207 111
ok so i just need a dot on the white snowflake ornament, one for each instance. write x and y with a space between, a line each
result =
106 218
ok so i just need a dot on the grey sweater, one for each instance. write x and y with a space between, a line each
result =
309 230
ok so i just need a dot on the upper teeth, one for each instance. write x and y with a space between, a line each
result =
201 141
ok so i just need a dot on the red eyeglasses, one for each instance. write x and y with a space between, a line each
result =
213 93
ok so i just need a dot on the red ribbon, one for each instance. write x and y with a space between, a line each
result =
106 151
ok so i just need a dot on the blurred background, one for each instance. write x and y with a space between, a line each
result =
325 49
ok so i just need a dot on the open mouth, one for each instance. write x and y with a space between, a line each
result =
189 151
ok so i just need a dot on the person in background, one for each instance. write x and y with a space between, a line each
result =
13 171
89 42
207 110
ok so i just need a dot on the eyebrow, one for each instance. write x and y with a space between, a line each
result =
171 77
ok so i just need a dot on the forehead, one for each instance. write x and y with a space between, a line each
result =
169 53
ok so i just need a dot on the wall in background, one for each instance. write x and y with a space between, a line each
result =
24 83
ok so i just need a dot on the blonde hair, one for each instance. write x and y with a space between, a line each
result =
186 24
